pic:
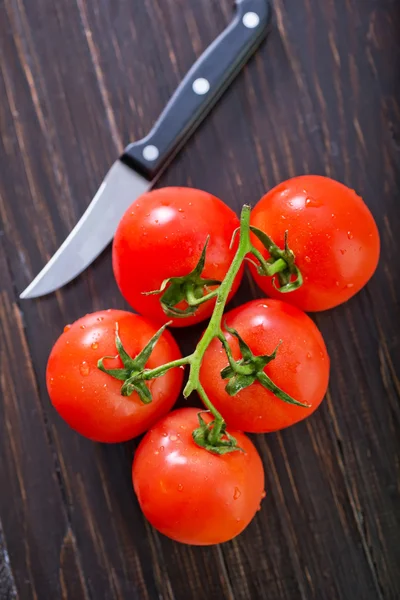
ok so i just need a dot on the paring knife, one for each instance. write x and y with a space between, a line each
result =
142 162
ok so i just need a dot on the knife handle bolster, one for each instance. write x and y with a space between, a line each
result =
200 89
133 158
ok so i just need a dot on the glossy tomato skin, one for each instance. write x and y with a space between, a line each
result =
189 494
332 233
162 235
301 367
89 400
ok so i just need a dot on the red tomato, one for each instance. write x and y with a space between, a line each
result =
301 366
162 235
331 232
190 494
89 400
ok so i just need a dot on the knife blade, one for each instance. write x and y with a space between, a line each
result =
142 162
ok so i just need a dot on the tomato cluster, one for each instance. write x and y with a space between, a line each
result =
178 257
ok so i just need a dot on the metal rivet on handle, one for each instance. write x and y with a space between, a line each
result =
251 20
201 86
150 152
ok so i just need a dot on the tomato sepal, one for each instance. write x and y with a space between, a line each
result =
282 263
244 372
133 367
204 436
188 288
237 383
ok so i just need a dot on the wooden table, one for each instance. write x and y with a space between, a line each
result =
79 79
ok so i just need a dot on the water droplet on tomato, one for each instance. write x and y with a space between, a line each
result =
105 385
100 319
83 326
67 328
261 305
350 285
180 487
94 346
333 215
309 355
313 202
161 448
84 368
283 217
342 251
237 493
307 259
337 283
350 235
173 438
51 378
156 452
164 434
180 210
156 221
182 427
263 494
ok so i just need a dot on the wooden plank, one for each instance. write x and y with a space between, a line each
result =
34 519
7 584
321 96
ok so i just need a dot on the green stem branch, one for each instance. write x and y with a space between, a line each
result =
218 418
162 369
193 301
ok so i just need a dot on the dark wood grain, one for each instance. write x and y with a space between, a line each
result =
80 79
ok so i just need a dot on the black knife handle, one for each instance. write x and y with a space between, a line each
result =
200 89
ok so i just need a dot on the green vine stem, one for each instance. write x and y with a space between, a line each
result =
214 327
212 436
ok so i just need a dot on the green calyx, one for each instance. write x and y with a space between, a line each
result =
281 263
133 372
191 288
250 368
217 441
